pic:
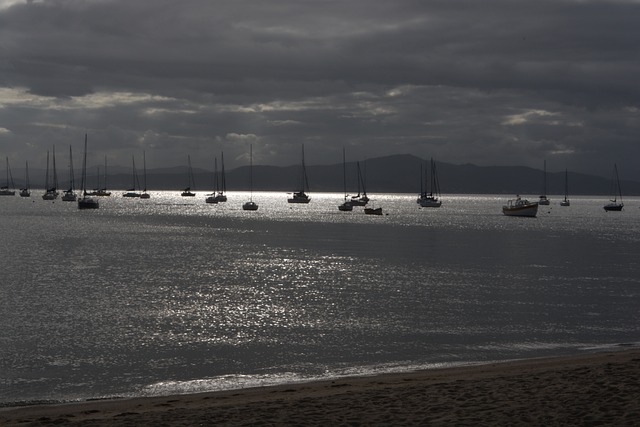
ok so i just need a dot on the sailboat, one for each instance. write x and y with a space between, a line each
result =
300 196
70 194
347 205
222 194
566 201
360 199
250 205
51 192
430 199
213 197
144 194
543 198
85 202
5 190
102 191
615 205
26 191
136 183
187 191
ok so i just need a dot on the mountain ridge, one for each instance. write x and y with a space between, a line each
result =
399 173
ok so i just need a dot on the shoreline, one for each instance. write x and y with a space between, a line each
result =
591 388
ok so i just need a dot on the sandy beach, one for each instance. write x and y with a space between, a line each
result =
589 389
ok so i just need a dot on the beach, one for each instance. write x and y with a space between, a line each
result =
588 389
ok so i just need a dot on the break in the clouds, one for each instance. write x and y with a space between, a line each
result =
492 83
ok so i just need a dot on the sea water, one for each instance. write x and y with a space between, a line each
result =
173 295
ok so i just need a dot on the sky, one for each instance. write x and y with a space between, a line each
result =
492 82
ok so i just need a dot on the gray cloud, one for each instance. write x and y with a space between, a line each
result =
492 82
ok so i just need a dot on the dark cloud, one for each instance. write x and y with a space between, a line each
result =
492 82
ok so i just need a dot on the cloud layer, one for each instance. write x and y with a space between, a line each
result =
494 82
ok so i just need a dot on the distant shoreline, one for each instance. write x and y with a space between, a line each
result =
588 388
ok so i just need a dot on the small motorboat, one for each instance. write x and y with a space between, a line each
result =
520 207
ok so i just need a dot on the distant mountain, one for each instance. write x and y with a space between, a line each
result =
391 174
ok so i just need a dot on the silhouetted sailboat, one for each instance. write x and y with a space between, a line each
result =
191 183
543 198
300 196
7 190
70 194
616 204
347 205
132 192
85 202
430 199
360 199
144 194
213 197
51 192
566 201
26 191
250 205
222 194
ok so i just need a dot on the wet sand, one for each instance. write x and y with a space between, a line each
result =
589 389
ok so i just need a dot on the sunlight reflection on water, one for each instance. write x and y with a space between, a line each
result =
169 294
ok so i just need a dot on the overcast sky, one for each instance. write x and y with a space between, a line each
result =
486 82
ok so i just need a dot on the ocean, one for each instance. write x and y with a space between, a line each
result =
173 295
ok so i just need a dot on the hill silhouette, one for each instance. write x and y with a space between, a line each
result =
390 174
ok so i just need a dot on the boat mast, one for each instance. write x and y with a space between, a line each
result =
83 179
344 173
305 180
55 174
223 179
46 176
251 173
144 169
615 167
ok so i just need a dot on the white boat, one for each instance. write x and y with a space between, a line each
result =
132 192
615 204
520 207
86 202
51 192
430 199
26 191
5 190
360 199
300 196
566 201
543 200
70 194
347 205
191 183
250 205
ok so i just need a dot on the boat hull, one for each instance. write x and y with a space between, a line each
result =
345 207
614 207
429 203
373 211
250 206
525 211
88 203
299 198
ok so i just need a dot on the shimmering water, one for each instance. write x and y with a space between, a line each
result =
173 295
